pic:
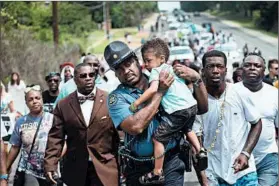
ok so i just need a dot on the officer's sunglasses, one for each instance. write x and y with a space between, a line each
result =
85 75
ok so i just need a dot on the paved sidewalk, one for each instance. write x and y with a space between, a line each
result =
257 34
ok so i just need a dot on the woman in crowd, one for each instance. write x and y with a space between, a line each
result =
30 137
67 72
8 114
16 88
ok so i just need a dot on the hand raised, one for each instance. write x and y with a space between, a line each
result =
165 80
186 73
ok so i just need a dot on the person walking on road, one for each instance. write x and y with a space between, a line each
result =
8 115
16 88
29 137
237 75
92 141
265 98
245 50
139 127
176 117
272 76
3 160
50 95
70 85
231 127
67 72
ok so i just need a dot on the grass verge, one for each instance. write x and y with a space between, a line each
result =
116 34
246 22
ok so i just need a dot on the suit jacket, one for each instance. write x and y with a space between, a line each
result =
99 141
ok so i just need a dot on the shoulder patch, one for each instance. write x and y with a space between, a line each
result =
112 99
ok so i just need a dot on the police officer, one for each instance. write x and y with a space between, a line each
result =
139 127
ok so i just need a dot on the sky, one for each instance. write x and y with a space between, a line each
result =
163 5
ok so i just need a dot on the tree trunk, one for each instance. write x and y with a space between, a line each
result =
251 12
107 20
55 24
245 11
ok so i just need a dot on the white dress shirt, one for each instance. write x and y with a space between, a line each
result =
87 107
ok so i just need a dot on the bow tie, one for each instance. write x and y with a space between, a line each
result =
82 99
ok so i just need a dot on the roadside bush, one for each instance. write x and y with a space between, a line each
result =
32 59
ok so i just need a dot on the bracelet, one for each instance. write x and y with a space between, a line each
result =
246 154
4 177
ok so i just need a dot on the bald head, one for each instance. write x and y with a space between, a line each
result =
93 61
90 59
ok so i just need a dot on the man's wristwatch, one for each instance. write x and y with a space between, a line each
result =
246 154
197 82
4 177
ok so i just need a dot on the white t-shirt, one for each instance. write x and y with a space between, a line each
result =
266 101
238 111
178 96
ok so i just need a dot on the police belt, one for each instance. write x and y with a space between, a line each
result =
169 154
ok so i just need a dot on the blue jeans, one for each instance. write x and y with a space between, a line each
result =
267 170
249 179
173 170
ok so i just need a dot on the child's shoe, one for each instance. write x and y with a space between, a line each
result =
151 179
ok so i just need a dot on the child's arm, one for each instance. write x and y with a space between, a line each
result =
148 94
193 139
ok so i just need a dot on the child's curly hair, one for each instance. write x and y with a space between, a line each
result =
159 46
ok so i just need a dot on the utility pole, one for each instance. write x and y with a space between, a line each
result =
55 24
106 18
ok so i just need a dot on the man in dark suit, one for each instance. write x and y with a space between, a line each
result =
92 140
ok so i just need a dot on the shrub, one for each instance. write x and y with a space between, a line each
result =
32 59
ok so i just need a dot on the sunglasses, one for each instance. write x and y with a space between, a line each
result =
53 80
85 75
32 87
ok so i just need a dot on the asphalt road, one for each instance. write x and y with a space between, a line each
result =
268 50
